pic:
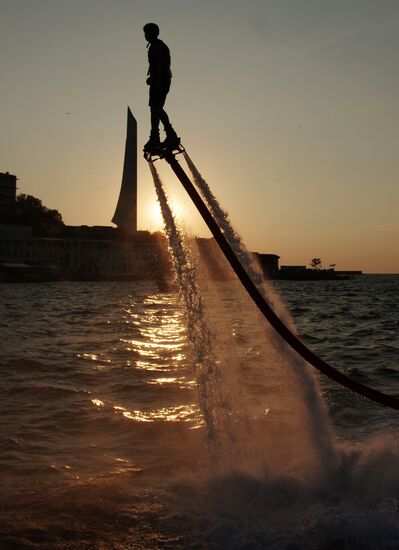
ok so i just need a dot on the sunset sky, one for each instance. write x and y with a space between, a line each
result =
289 108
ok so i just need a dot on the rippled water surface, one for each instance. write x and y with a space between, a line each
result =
103 439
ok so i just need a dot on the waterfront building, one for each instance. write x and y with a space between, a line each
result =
84 254
8 193
269 264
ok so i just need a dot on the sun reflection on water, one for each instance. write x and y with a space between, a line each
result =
157 343
177 413
180 413
97 402
160 334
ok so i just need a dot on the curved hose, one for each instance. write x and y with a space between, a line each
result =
263 306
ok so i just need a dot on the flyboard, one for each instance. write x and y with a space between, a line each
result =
317 362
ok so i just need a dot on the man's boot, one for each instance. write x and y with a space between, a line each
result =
153 143
172 140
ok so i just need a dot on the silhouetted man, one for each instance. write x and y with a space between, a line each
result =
159 79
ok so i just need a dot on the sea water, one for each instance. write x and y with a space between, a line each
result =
104 444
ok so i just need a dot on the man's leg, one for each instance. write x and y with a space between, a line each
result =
154 142
155 118
165 121
171 137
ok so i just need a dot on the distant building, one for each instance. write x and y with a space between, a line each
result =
85 253
350 273
219 269
302 273
269 264
8 193
9 231
293 268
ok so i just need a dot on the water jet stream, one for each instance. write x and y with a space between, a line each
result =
219 415
317 421
320 427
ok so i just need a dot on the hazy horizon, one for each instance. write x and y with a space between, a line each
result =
290 112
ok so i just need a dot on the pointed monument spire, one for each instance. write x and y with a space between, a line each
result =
125 216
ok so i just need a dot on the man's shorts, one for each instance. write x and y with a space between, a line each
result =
158 95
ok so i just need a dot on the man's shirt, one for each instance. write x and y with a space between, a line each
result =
159 62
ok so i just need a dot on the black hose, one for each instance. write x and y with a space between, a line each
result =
274 320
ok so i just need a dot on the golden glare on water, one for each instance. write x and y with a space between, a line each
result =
178 413
158 346
97 402
159 333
